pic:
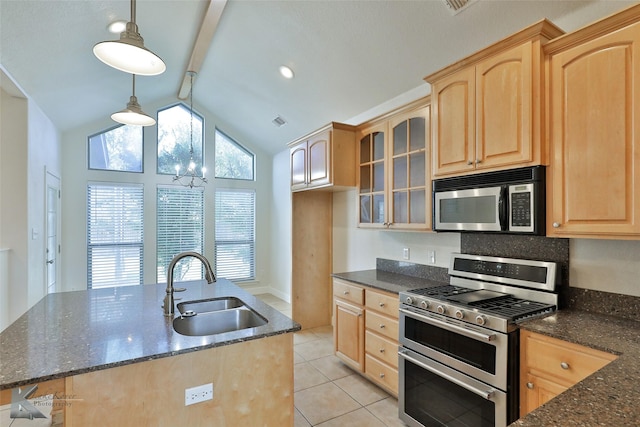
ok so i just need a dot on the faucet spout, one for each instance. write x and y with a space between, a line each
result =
169 306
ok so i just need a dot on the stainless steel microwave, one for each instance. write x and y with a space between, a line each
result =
511 201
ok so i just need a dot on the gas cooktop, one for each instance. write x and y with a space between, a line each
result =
489 291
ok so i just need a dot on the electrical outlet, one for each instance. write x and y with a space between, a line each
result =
198 394
405 253
432 256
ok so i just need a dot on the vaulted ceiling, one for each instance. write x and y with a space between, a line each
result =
350 58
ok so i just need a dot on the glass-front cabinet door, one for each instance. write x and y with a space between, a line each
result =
409 182
372 203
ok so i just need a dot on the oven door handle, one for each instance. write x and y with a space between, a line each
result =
486 394
450 327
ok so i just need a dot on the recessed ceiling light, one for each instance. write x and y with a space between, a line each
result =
116 27
286 72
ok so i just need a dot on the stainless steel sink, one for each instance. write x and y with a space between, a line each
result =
217 322
206 305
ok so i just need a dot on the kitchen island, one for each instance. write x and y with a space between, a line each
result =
121 362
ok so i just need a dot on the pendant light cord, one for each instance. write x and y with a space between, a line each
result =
133 11
191 110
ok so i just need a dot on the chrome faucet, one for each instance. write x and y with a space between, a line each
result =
169 308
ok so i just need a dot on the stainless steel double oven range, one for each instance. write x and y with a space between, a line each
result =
459 354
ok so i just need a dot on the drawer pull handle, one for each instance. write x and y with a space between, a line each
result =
382 326
346 292
564 365
382 350
530 386
382 375
381 304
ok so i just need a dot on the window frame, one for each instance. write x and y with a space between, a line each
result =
141 171
242 148
253 242
90 246
202 140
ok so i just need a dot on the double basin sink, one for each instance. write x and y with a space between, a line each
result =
215 316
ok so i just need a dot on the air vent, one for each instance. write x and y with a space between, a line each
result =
279 121
457 6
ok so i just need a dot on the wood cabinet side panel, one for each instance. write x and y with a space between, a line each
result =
311 258
252 381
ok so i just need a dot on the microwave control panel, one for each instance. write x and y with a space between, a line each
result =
521 207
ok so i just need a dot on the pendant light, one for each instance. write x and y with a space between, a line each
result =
129 54
190 178
133 114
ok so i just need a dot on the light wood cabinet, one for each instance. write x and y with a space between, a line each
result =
594 130
324 159
365 331
549 366
381 339
348 326
487 109
393 178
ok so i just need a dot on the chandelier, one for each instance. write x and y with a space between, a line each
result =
190 178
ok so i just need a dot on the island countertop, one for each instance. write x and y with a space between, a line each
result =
610 396
71 333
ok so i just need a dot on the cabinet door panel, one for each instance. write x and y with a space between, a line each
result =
349 334
453 123
318 154
298 166
595 115
504 109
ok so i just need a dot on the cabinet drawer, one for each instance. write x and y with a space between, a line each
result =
347 291
382 374
381 348
382 302
382 324
561 360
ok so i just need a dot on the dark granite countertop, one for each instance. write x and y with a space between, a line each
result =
610 396
387 281
71 333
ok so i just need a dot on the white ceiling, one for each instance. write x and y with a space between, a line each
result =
352 59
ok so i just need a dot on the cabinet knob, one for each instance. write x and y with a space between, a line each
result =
346 292
564 365
381 375
530 386
382 350
556 225
469 162
382 326
381 304
478 161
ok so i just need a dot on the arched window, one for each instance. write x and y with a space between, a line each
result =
177 134
233 161
117 149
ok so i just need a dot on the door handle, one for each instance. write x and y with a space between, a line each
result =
50 261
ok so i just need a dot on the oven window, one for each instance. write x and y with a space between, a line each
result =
436 402
478 354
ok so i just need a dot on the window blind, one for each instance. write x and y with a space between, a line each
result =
235 234
115 235
180 228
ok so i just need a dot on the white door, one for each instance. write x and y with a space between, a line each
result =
53 231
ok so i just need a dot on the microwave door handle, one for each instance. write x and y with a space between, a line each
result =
503 208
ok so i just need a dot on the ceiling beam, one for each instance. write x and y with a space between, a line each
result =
201 45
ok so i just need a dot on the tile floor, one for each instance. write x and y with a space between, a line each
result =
327 393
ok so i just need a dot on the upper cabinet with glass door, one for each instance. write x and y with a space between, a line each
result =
394 183
324 159
487 108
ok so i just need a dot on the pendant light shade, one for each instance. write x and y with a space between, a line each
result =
129 54
133 114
